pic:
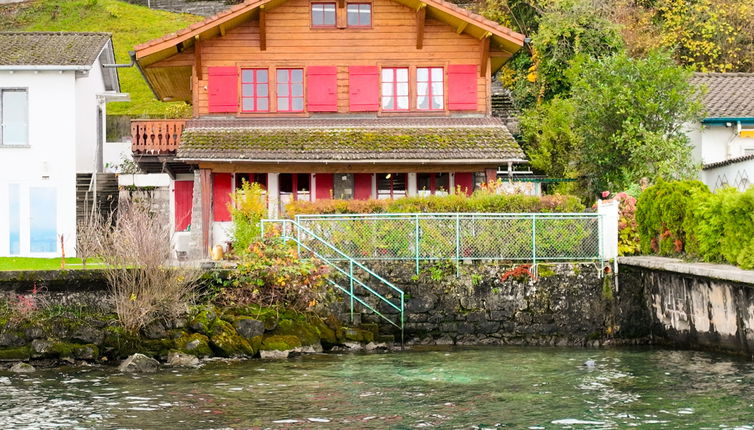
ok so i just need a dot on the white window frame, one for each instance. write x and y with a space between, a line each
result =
2 121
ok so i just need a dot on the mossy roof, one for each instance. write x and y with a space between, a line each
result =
729 95
349 139
48 48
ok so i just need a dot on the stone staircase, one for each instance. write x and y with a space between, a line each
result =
106 187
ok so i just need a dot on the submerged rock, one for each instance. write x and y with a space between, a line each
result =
41 347
180 359
21 367
226 342
139 363
590 364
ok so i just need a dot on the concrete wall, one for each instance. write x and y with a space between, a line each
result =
739 175
714 143
695 305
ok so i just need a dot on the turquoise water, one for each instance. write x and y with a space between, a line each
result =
535 388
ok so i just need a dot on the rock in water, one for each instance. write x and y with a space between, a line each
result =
139 363
179 359
591 364
21 367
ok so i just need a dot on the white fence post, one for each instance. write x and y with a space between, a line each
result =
609 233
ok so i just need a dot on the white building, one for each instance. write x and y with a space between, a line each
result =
724 140
53 93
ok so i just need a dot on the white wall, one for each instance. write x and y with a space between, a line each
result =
739 175
718 143
50 159
86 104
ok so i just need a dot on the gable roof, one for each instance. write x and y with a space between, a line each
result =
480 26
729 95
62 49
431 140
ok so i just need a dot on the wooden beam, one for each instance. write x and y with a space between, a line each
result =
499 54
485 56
222 30
341 3
198 58
180 47
262 28
462 27
421 17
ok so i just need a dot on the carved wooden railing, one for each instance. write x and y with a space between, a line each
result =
156 136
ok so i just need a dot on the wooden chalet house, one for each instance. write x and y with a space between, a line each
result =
325 99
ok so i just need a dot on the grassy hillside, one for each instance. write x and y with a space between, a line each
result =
129 24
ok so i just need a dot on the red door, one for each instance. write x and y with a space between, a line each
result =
362 186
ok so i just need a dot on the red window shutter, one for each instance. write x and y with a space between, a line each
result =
222 89
322 89
362 186
462 83
221 189
324 188
363 88
465 180
184 196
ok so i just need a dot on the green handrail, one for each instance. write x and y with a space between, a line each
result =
349 274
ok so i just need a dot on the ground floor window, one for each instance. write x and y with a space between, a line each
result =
391 185
298 185
259 178
435 184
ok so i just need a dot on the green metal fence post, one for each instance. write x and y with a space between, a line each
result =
458 245
350 278
416 245
534 243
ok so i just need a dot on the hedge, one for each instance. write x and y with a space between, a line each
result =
684 218
478 202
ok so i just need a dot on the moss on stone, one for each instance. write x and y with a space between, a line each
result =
358 335
279 343
226 342
157 347
203 321
119 343
545 271
195 344
327 335
12 354
303 330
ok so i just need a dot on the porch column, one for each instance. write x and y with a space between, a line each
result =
452 183
374 185
206 196
411 184
273 195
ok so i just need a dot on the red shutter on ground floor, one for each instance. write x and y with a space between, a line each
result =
362 186
184 196
363 88
324 186
462 87
221 189
222 89
465 180
322 89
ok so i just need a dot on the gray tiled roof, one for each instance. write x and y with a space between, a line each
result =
349 139
23 48
729 95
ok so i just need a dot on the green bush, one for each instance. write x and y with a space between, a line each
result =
483 202
247 210
685 218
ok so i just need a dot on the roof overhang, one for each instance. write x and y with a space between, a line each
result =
39 68
729 120
357 161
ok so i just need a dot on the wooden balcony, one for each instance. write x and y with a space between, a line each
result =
156 136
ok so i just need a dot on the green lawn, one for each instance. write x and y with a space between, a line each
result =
25 263
130 26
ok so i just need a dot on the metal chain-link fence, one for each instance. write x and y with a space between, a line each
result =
430 237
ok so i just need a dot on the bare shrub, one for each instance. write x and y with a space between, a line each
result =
136 251
89 234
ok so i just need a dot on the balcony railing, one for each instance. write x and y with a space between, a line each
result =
156 136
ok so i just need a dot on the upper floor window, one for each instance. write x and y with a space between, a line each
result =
359 14
323 14
429 88
395 88
290 90
255 95
14 117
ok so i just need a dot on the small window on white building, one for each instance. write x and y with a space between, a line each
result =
14 114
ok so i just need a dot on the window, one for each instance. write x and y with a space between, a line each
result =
43 230
14 113
395 88
290 86
255 95
323 14
391 185
432 184
359 14
429 88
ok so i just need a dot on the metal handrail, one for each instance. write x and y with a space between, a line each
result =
349 274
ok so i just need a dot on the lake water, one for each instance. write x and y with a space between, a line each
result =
520 388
